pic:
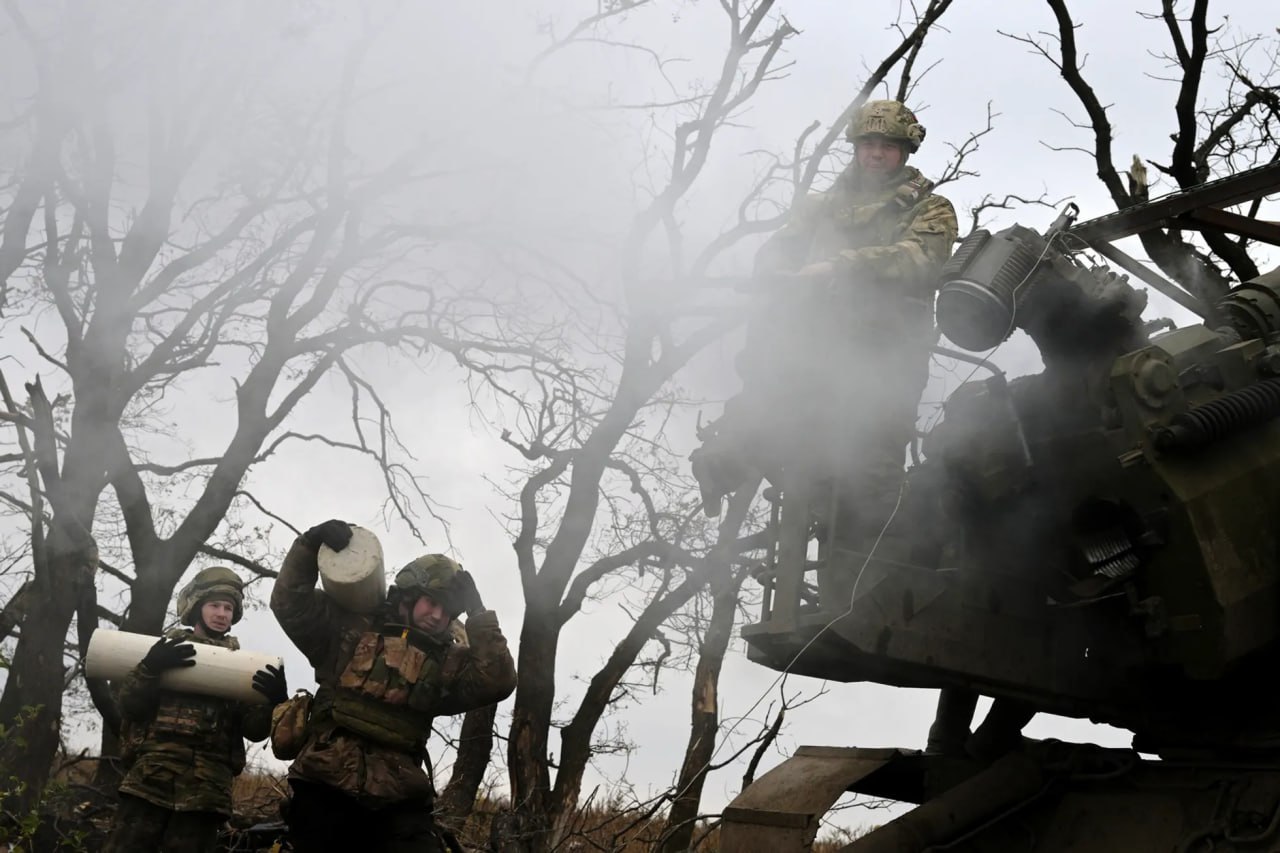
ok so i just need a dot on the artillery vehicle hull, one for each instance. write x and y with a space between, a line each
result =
1048 798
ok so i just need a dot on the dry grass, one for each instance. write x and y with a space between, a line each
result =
611 829
257 797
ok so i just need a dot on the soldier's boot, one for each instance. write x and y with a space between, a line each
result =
708 486
1001 731
719 474
950 729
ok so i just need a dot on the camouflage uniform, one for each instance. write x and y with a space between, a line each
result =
182 751
144 826
833 368
359 777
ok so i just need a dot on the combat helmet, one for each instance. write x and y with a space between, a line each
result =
433 575
890 119
215 580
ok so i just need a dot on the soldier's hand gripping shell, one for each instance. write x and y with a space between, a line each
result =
270 682
465 587
334 533
169 653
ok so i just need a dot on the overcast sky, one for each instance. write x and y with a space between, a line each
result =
536 156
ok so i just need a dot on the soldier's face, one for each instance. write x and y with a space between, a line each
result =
428 615
217 615
879 157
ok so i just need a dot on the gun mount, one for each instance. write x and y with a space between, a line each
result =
1096 540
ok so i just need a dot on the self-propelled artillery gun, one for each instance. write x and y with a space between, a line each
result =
1098 540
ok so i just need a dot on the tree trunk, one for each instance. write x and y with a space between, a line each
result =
705 721
64 567
109 773
148 604
475 746
524 830
31 706
15 610
576 738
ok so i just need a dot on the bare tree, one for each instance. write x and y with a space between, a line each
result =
726 594
581 431
603 498
1213 132
705 722
268 279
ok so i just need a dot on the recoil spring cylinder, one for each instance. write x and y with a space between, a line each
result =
1209 422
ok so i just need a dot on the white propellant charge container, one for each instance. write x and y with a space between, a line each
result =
354 576
217 672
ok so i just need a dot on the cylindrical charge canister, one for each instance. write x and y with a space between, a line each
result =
354 576
217 672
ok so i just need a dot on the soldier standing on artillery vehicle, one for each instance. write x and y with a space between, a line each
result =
358 781
835 363
182 750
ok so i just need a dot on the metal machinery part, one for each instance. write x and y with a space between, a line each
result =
1097 540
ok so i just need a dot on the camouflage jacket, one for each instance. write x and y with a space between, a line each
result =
897 235
395 679
183 750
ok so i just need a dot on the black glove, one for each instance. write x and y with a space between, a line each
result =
334 533
464 587
169 653
269 681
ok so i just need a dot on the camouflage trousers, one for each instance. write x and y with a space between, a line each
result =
840 411
854 475
321 818
143 827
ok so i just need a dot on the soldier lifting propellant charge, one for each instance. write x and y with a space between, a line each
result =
358 781
182 750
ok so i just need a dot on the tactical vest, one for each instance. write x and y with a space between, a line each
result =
388 690
852 220
198 721
190 720
913 191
